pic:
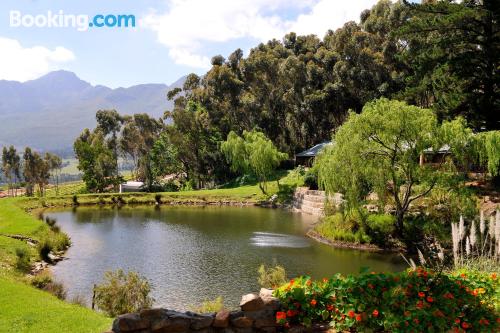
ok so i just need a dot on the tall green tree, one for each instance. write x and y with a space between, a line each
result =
452 50
253 153
379 150
11 167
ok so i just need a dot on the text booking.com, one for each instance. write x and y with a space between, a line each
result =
80 22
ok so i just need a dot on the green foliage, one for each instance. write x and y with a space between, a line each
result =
379 149
208 306
271 277
452 52
253 153
41 280
121 293
23 259
344 228
380 227
417 300
487 148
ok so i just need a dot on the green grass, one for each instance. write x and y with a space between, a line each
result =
26 309
68 188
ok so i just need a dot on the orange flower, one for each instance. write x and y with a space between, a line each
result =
407 313
463 275
351 314
375 313
325 280
358 317
494 276
421 294
475 292
308 282
430 299
313 302
280 315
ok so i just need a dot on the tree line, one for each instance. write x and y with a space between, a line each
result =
440 55
33 171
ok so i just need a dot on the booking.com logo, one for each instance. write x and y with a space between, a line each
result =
79 22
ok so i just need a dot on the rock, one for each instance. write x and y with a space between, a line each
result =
153 313
265 322
266 313
159 325
199 322
242 322
268 329
268 298
129 322
178 325
251 302
243 330
221 319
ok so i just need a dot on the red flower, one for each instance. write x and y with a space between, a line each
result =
416 321
308 282
448 296
463 275
370 286
358 317
475 292
351 314
407 313
438 313
465 325
292 313
325 280
313 302
457 321
330 307
494 276
280 315
420 304
421 294
430 299
375 313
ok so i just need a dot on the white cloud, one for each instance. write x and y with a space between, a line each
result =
25 63
188 25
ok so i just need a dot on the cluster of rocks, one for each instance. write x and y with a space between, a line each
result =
257 314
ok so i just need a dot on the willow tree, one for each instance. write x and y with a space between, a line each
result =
253 153
487 148
379 150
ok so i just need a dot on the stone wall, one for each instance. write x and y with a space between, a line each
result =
313 201
257 314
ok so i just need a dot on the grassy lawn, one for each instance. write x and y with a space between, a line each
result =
26 309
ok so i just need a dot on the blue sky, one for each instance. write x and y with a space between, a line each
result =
172 37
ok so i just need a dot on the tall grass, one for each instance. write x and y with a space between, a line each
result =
473 248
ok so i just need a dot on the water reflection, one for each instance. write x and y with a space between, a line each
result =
195 253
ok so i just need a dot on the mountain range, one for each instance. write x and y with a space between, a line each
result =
48 113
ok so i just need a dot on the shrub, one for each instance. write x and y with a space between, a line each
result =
41 280
122 293
210 306
23 259
57 289
311 180
345 229
271 277
380 227
158 199
75 200
44 247
416 300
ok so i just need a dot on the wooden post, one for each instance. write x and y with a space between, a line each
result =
93 297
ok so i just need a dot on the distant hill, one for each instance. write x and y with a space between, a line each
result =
49 112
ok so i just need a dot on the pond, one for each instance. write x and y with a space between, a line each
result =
191 254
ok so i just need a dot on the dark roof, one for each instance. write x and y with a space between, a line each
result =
313 151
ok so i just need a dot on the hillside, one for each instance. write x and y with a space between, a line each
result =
49 112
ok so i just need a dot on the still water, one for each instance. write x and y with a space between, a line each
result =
191 254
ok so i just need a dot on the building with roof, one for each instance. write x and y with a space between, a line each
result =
306 158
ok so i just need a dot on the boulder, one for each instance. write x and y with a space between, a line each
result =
251 302
129 322
268 298
221 319
199 322
242 322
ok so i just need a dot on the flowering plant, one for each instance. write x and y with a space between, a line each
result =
415 300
